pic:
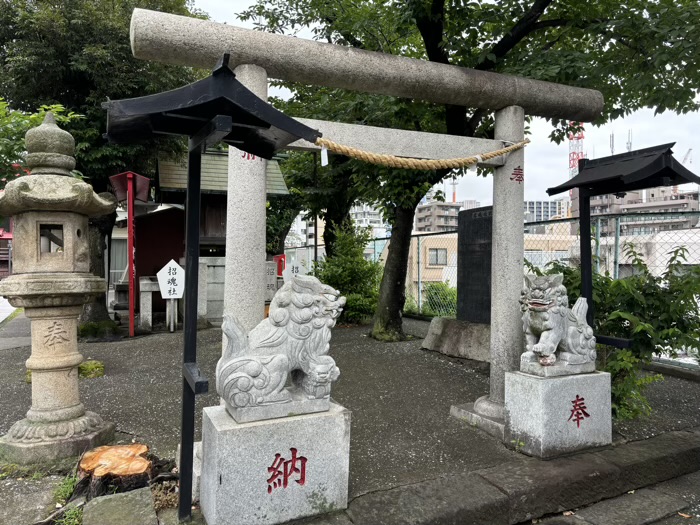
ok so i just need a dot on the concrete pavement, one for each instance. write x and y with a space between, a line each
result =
410 461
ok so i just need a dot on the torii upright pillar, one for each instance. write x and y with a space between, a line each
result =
506 277
244 287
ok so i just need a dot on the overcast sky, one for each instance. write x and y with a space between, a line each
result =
547 164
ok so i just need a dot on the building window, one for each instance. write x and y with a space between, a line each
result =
437 256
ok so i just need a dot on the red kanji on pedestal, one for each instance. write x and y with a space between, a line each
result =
518 175
578 413
281 470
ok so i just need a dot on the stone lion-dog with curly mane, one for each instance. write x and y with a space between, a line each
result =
292 343
551 327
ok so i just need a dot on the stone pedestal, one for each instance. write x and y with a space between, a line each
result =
550 416
147 287
273 471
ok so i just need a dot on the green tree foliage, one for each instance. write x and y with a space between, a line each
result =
658 313
347 270
13 126
76 53
639 53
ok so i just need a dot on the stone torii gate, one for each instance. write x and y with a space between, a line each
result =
258 56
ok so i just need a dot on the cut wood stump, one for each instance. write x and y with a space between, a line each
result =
116 468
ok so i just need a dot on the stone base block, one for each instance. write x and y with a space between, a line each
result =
196 468
299 404
492 425
44 451
459 339
276 470
549 416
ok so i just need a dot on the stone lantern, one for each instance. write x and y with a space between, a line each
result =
51 282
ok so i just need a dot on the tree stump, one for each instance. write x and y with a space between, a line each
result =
111 469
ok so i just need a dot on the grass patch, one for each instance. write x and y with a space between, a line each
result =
73 516
91 368
98 330
88 369
65 489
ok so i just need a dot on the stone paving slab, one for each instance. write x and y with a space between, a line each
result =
564 520
654 460
535 487
132 508
25 501
454 500
643 507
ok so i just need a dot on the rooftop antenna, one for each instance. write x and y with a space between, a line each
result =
629 140
612 144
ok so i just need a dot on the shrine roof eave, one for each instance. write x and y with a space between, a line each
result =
634 170
258 128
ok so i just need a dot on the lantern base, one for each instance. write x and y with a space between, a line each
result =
44 448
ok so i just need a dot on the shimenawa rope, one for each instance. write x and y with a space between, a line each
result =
415 164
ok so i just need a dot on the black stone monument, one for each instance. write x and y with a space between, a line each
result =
474 240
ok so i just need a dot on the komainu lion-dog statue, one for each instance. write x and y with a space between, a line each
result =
292 343
552 329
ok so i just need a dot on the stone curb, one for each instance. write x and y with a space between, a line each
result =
675 371
530 488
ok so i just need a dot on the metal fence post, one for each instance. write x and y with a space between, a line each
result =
597 245
420 285
616 269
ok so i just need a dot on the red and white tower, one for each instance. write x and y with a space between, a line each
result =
575 149
575 153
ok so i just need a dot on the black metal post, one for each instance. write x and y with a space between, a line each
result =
192 209
586 252
315 215
193 382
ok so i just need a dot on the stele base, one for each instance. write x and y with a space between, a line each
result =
244 464
551 416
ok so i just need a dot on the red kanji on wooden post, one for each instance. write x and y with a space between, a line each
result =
578 412
282 470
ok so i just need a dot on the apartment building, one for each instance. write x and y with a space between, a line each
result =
437 216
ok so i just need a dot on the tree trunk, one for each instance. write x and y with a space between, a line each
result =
335 217
98 229
388 321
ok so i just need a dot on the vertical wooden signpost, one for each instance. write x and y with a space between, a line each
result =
171 280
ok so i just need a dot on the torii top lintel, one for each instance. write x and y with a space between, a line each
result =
193 42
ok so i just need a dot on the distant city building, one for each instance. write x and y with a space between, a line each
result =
437 216
302 232
470 204
657 200
366 216
536 211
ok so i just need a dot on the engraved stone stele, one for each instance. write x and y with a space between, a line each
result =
291 345
51 282
558 340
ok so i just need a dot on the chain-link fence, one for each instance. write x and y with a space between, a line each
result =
431 279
